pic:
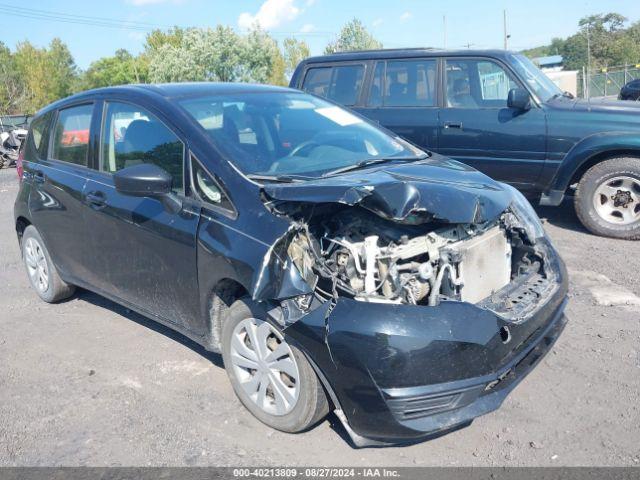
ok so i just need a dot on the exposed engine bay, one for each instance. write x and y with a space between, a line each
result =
373 260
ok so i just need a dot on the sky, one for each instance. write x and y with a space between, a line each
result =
397 23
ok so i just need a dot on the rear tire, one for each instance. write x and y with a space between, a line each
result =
271 377
42 273
607 199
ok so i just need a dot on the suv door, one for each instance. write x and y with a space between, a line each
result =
402 97
143 254
57 179
477 128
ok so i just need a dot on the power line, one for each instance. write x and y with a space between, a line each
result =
73 18
49 15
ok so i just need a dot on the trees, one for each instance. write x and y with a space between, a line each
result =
353 36
610 43
12 91
120 69
220 54
46 74
294 52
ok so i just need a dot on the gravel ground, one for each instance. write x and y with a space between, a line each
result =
87 382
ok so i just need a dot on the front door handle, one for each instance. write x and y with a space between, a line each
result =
96 199
38 177
457 125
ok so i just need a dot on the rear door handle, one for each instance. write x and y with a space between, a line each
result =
457 125
38 177
96 199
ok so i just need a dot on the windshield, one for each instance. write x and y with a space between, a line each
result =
542 85
279 134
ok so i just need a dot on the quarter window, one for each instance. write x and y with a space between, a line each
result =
341 83
208 188
131 135
37 145
71 137
404 83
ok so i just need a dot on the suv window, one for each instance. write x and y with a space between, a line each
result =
477 84
131 135
71 135
404 83
340 83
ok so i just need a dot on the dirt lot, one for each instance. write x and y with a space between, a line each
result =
86 382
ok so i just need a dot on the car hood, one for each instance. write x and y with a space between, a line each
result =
607 105
436 188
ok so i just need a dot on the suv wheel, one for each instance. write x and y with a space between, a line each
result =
42 272
272 378
607 200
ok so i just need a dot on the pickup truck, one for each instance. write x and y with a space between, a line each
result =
496 111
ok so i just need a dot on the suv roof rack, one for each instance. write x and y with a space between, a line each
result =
374 50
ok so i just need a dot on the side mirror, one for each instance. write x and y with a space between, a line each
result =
519 99
147 180
142 180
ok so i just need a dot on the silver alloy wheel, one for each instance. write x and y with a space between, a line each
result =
265 366
617 200
36 264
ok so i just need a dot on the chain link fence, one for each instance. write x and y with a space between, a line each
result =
606 82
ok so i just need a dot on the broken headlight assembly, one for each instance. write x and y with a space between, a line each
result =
525 213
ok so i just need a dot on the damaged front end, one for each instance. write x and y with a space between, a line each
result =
416 311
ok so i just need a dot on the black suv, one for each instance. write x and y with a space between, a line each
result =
496 111
333 264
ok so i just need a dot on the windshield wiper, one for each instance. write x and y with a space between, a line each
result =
278 178
371 161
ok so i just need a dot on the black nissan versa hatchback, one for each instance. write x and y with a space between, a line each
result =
333 264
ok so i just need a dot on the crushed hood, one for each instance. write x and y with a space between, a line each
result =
437 188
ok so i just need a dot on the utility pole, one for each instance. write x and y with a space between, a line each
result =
589 61
444 24
504 26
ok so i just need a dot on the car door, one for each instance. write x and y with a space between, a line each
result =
58 179
143 253
402 96
477 128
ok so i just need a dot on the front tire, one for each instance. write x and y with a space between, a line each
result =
42 273
272 378
607 200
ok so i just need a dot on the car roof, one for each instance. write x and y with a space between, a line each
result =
392 53
169 91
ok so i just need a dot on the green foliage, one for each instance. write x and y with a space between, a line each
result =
32 77
46 74
294 52
12 89
121 69
611 43
218 54
353 36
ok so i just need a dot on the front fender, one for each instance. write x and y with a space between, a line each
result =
582 152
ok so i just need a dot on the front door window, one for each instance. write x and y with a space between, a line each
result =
474 83
132 135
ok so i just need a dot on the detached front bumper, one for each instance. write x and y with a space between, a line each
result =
400 373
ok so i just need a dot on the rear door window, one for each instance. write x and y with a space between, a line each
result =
404 83
71 134
342 83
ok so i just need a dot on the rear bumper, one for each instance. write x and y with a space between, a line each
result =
401 373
